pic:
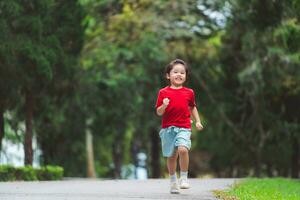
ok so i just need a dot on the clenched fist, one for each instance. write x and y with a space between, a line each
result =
166 101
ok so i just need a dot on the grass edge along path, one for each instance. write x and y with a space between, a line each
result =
262 189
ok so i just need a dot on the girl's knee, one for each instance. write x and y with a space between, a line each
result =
182 150
174 156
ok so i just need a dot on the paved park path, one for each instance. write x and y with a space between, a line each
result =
95 189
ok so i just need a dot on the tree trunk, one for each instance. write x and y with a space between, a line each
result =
90 155
117 158
1 126
28 132
155 152
118 147
269 169
295 157
257 165
134 152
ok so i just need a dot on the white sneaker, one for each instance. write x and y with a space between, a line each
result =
184 184
174 188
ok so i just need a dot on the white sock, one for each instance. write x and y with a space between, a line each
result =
183 175
173 177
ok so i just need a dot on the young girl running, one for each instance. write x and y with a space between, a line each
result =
176 104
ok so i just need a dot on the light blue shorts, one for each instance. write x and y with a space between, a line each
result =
172 137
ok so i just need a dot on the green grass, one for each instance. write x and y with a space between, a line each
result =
262 189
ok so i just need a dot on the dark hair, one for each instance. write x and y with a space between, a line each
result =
170 66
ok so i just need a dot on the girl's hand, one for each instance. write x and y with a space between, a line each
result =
199 126
166 101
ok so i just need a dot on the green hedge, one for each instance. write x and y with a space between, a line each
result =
28 173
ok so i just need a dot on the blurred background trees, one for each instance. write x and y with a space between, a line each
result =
92 69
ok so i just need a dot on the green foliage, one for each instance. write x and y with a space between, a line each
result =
260 63
50 173
7 173
287 35
117 63
28 173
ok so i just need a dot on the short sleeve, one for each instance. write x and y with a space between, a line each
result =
159 100
192 101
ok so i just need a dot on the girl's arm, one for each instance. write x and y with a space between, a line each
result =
195 115
161 109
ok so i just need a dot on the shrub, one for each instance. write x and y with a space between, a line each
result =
28 173
7 173
50 173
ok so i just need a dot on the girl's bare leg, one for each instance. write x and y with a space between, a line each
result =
183 158
172 163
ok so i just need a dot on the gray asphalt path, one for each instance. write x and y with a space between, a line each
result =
92 189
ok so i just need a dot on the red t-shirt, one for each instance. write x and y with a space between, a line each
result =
177 112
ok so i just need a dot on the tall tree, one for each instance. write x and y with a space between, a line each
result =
9 85
38 46
60 131
255 73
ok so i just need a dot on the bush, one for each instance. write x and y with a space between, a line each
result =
7 173
50 173
28 173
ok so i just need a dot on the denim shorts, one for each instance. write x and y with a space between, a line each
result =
172 137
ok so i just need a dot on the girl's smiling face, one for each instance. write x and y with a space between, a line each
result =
177 75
